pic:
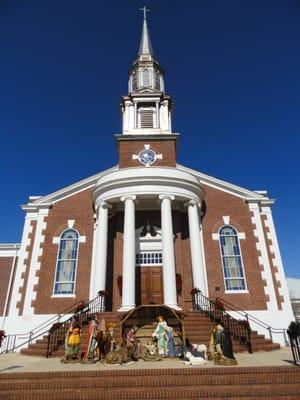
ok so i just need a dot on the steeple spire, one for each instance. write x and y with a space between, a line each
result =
146 109
145 44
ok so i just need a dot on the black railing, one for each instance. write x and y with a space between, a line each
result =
12 342
58 331
267 328
239 330
295 345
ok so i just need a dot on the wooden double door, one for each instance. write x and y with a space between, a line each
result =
149 287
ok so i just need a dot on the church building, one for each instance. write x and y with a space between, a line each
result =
146 231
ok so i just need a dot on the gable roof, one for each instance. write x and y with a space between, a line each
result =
77 187
246 194
54 197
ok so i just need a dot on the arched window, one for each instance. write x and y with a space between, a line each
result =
157 81
231 259
146 80
134 81
66 263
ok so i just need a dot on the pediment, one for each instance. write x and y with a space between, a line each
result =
246 194
71 190
148 90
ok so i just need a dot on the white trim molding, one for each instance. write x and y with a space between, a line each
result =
277 261
35 264
147 183
263 259
21 266
9 249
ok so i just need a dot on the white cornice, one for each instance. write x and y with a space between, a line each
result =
48 200
37 203
9 246
247 195
35 207
9 249
147 183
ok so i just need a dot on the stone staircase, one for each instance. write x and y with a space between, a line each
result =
197 328
255 383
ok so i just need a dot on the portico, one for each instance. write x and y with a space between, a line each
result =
163 186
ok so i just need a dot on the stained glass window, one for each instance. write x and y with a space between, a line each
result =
231 259
157 81
146 77
66 263
134 81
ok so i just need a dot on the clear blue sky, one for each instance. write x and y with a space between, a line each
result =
232 67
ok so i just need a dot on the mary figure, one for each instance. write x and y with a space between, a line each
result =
161 334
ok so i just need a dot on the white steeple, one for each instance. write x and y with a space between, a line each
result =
145 45
146 109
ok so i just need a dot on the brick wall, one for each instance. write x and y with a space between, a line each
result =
186 264
6 265
129 147
219 204
79 208
117 258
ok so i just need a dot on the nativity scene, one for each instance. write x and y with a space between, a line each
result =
153 342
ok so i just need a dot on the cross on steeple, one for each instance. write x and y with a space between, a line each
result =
145 10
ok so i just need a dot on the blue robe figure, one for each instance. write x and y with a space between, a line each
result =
171 344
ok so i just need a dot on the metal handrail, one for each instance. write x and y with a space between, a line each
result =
12 342
257 321
240 330
57 335
295 345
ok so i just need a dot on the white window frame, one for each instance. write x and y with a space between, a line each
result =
151 253
134 81
237 235
56 268
154 117
157 80
146 71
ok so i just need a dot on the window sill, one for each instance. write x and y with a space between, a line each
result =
63 295
236 291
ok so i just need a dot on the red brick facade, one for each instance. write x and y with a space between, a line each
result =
79 207
166 147
219 204
6 265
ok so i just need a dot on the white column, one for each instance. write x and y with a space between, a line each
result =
196 248
128 272
101 248
169 274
